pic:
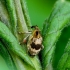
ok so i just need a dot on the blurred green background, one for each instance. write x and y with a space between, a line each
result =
39 10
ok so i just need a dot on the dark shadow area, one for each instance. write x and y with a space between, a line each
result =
61 44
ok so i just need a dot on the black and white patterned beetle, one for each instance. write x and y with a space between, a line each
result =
34 44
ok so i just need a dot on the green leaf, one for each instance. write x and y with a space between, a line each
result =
12 44
59 18
8 59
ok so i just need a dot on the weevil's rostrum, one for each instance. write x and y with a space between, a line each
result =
34 44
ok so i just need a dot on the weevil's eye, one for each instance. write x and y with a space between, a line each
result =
36 33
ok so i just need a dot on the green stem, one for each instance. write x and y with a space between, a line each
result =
21 25
12 13
25 12
4 16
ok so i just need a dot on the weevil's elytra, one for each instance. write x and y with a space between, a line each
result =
34 46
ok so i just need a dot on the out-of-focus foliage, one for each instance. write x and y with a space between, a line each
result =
39 10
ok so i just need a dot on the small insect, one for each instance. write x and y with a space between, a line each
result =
34 44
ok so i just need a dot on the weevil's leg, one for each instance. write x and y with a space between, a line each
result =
42 47
25 39
25 32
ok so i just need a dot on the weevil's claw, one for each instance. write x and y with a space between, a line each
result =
31 55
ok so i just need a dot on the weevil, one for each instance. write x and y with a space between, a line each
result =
34 41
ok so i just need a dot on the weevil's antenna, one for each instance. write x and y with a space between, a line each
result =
34 26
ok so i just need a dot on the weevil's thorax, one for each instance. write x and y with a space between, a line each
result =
35 42
37 38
